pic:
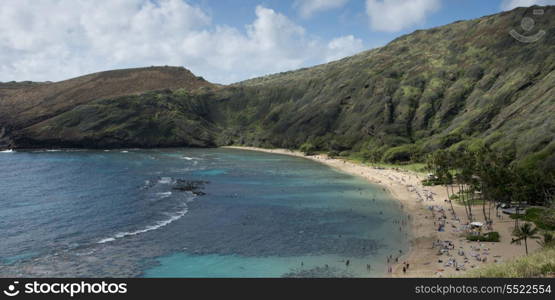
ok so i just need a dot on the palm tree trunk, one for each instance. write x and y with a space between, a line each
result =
484 210
489 210
464 194
460 194
453 209
450 202
517 214
470 198
452 189
526 245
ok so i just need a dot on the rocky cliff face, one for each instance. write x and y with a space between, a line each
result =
5 140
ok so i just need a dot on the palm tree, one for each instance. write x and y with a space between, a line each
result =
465 165
525 232
439 164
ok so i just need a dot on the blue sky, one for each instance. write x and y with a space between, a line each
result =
350 19
224 41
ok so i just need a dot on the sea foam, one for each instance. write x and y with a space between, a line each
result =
172 218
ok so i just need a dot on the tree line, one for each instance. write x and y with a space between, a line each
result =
490 178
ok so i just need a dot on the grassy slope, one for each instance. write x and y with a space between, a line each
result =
467 83
539 264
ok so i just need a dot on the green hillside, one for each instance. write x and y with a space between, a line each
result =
465 84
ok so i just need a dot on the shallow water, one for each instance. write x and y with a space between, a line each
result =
116 213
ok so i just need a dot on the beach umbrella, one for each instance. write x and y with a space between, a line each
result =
477 224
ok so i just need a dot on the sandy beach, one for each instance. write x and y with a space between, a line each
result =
432 253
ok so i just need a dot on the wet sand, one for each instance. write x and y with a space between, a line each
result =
426 208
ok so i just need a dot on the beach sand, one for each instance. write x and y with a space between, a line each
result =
424 260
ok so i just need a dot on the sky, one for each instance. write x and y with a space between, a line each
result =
224 41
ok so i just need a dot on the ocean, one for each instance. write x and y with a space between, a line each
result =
122 213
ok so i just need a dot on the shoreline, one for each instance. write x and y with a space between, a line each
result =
426 206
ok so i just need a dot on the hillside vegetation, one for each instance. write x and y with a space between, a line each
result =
23 105
539 264
466 84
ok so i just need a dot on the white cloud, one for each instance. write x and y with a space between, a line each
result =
396 15
307 8
60 39
342 47
510 4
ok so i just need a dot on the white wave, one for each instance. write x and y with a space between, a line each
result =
164 195
189 158
107 240
8 151
53 150
165 180
124 151
155 226
172 217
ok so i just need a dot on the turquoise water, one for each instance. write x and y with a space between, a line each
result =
117 213
217 266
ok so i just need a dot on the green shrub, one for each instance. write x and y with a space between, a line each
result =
333 154
450 140
437 181
366 155
486 237
428 182
372 155
475 72
344 153
543 218
343 143
181 92
308 149
400 154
